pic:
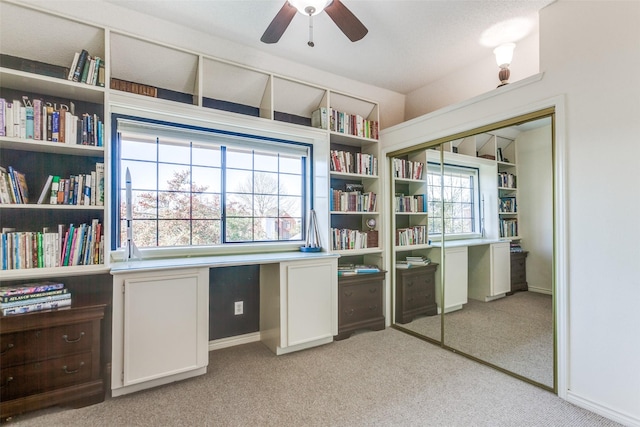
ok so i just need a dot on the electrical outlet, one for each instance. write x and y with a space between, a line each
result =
238 307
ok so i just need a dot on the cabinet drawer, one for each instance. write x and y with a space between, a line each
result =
40 344
418 301
359 302
37 377
418 285
363 292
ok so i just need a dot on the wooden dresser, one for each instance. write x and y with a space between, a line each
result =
360 303
519 271
415 292
50 358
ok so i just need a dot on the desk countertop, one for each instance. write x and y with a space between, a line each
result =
467 242
214 261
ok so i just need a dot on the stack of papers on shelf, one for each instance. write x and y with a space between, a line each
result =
413 261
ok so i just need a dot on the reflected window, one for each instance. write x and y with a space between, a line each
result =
453 193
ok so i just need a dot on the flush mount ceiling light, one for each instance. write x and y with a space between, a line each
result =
504 56
343 18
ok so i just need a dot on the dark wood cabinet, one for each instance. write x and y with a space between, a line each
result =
360 303
519 271
415 292
51 358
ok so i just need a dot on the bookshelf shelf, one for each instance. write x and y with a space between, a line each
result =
51 86
44 273
48 207
50 147
405 248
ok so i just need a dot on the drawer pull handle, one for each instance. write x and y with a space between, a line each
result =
349 312
65 337
9 347
6 383
348 293
67 371
373 307
373 290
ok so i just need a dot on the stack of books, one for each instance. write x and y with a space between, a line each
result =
413 261
353 269
33 297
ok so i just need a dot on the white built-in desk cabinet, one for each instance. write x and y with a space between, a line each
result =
161 312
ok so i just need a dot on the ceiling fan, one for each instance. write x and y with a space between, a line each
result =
343 18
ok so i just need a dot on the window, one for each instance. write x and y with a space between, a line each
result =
199 187
455 192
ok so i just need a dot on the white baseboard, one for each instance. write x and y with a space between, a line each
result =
625 419
233 341
540 290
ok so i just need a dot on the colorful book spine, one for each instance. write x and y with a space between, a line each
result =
30 123
3 106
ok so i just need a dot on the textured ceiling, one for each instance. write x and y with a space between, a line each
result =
409 44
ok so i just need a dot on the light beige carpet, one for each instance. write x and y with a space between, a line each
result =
384 378
514 333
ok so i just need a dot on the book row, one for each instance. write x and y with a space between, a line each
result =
346 239
352 201
350 124
131 87
407 169
508 227
13 186
86 68
41 296
506 180
415 203
82 189
416 235
40 120
358 163
68 246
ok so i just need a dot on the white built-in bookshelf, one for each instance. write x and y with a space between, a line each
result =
140 70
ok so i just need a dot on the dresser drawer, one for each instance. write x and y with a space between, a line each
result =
362 292
359 302
418 285
39 344
50 374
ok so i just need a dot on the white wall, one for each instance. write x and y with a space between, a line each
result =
473 80
590 57
112 16
535 205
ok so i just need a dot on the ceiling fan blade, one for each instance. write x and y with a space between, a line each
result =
346 21
280 22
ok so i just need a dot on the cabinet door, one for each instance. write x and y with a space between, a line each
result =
163 325
311 302
500 268
456 278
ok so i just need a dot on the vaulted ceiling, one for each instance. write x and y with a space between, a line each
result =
409 44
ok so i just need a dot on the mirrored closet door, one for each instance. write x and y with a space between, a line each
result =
490 231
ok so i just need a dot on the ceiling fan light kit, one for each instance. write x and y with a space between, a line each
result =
341 16
310 7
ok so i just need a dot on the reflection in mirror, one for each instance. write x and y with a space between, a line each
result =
417 284
495 209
